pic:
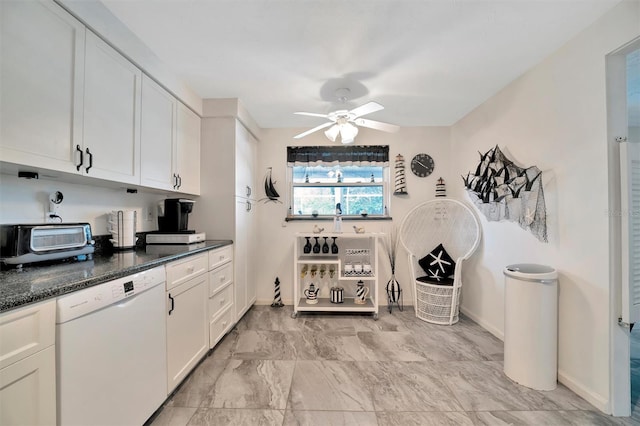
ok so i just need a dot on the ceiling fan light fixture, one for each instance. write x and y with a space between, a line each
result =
332 132
348 132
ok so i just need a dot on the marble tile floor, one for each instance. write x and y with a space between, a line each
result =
334 369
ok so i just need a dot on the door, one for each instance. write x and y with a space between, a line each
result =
630 203
246 152
41 84
111 114
188 151
157 136
623 122
187 328
241 258
28 390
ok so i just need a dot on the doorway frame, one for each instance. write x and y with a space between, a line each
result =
617 125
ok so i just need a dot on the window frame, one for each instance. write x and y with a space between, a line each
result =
386 195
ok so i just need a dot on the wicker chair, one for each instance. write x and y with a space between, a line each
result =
452 224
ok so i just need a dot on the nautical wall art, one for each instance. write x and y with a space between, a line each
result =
503 191
270 189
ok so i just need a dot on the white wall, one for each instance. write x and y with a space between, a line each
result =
554 116
25 201
275 236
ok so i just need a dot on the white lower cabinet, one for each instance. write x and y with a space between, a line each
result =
187 331
27 358
28 390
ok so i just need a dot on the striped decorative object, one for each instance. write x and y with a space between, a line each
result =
400 181
394 294
441 190
337 295
361 293
277 299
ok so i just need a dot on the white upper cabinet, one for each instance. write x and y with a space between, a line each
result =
41 83
170 142
69 102
111 114
187 161
157 137
246 160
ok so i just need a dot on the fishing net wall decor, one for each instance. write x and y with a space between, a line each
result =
503 191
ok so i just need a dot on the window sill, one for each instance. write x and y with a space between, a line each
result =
330 218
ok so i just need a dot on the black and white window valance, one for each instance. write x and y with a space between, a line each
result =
358 155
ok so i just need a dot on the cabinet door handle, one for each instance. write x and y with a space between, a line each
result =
179 181
175 181
248 206
78 149
248 191
172 303
90 160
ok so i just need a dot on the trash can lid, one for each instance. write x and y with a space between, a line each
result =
531 272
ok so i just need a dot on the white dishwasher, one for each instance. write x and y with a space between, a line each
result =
111 351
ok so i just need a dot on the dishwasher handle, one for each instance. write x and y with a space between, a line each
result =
172 303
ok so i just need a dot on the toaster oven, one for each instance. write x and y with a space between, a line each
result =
21 244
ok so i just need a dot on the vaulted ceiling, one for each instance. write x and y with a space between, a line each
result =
428 62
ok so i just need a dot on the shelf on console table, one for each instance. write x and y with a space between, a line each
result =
352 249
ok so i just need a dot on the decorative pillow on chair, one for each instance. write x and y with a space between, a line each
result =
438 264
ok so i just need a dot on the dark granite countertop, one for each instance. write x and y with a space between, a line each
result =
37 282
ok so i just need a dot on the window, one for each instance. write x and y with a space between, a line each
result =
357 177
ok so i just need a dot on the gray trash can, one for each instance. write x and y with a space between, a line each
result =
531 325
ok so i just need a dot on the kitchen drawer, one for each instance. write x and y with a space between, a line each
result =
183 270
221 300
220 256
219 326
26 331
220 278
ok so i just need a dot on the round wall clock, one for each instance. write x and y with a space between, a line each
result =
422 165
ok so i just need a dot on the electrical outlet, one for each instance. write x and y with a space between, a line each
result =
149 213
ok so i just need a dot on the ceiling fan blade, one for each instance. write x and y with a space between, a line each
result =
315 129
312 114
365 109
377 125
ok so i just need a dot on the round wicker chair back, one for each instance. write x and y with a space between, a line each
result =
452 224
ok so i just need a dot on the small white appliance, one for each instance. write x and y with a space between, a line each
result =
111 351
122 226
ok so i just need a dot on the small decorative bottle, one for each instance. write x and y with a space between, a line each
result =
337 220
316 246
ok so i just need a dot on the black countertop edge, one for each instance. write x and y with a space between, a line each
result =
36 283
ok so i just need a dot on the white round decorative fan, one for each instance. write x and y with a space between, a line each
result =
345 123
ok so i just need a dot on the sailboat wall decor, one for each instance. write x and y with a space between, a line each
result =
503 191
269 188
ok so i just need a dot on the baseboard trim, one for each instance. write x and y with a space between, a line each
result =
596 400
484 324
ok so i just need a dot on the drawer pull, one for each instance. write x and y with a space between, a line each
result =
222 278
222 257
224 323
172 304
190 269
222 302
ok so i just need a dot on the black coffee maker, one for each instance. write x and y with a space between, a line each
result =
173 215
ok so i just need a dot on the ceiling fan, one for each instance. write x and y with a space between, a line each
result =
345 123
